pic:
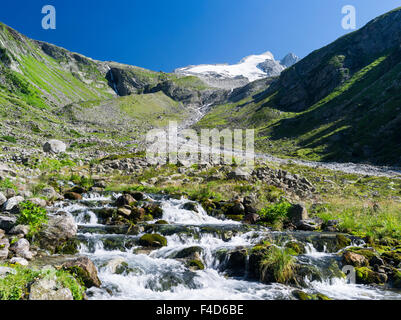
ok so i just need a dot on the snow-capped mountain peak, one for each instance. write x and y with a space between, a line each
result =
249 69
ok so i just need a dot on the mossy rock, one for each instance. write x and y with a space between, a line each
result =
301 295
196 264
392 257
367 253
235 217
296 248
153 241
154 209
364 275
342 242
256 255
307 271
396 278
161 222
69 247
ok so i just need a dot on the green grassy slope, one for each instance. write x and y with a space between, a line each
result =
341 103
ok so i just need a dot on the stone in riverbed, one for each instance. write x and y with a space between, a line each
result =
354 259
153 241
124 200
72 196
60 228
84 269
124 211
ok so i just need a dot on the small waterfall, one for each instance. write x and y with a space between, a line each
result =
112 80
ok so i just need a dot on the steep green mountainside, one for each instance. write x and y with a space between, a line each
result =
342 102
49 92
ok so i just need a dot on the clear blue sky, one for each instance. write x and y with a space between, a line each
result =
166 34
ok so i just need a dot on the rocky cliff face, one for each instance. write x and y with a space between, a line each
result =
315 76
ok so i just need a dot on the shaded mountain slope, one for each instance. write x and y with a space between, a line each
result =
342 102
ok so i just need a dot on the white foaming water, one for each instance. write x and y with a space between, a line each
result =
156 275
174 213
341 290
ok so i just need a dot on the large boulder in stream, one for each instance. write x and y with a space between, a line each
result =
84 269
60 229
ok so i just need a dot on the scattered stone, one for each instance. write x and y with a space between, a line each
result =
78 189
47 289
54 146
12 203
239 174
154 209
18 260
20 230
39 202
124 200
